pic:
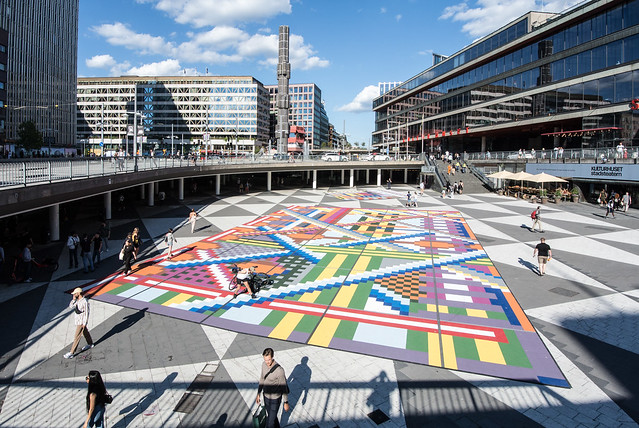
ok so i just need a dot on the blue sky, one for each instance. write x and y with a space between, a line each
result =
345 47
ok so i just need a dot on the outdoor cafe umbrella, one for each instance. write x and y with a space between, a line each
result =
521 176
501 175
542 178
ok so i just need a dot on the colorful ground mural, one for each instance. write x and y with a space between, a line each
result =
361 195
411 285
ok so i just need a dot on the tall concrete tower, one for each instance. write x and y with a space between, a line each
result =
283 76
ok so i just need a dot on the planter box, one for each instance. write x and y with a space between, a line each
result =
575 198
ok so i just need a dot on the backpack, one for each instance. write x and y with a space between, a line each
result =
533 214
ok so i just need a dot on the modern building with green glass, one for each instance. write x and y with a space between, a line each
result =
542 80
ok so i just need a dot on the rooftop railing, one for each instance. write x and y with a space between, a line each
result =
34 171
608 154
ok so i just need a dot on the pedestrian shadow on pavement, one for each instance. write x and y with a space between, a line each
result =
525 263
379 400
298 382
127 322
525 226
143 406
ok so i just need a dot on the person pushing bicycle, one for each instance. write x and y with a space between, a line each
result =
243 276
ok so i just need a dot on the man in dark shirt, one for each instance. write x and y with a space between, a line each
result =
543 253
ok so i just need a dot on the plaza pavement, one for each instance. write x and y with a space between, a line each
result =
586 310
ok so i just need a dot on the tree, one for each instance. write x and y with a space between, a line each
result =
30 137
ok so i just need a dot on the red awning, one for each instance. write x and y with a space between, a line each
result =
610 128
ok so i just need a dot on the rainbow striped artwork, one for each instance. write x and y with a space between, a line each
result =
361 195
411 285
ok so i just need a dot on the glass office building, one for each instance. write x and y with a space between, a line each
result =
306 110
543 80
220 112
41 68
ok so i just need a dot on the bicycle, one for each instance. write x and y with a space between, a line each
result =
257 281
17 274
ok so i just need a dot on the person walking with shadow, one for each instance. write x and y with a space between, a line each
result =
80 307
536 216
192 219
128 254
170 240
275 388
96 400
544 254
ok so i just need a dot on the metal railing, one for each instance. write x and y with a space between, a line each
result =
607 154
32 171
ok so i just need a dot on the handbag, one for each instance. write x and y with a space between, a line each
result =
108 398
259 417
121 255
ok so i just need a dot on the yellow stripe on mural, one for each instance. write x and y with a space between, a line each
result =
310 297
330 270
176 300
362 263
286 326
478 313
434 352
450 358
344 296
324 332
489 352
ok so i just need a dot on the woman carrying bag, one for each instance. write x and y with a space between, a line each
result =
97 398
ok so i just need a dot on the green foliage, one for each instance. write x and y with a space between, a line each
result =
543 193
558 193
30 137
575 190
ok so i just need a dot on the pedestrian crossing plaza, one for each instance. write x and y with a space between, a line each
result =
434 315
412 285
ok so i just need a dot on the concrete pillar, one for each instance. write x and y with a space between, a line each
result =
156 187
172 184
314 179
107 205
406 175
180 189
218 179
54 222
367 175
483 144
151 198
352 181
142 191
379 177
342 177
269 180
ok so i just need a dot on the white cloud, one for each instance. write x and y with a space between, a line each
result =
301 55
382 10
168 67
100 61
489 15
363 102
118 34
201 13
398 17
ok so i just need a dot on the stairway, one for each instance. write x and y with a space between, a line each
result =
472 184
